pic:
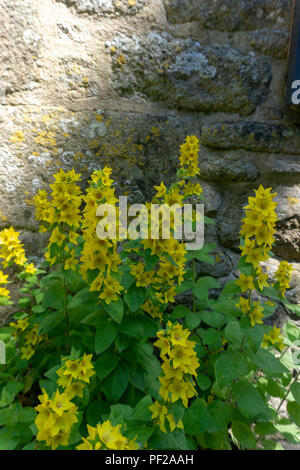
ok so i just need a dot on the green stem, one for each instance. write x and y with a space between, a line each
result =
194 283
285 396
65 296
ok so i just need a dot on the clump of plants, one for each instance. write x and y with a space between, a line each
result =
101 355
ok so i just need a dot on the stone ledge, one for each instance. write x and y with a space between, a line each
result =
230 15
185 74
111 8
250 135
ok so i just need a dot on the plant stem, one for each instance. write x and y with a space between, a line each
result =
65 295
194 282
285 396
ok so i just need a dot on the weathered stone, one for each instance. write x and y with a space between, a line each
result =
20 41
230 15
293 293
286 168
212 199
225 262
106 7
288 239
288 225
231 213
141 149
271 42
227 169
250 135
184 74
288 201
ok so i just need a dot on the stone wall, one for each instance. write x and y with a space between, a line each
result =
86 83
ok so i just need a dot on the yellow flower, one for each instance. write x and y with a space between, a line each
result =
244 305
274 338
27 352
4 292
245 282
161 190
256 314
111 290
57 237
3 278
283 276
262 278
30 269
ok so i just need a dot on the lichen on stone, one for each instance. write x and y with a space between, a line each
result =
185 74
106 7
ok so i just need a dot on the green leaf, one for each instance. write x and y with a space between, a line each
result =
268 444
292 307
274 389
233 333
265 429
135 297
116 383
254 334
231 365
115 310
210 336
120 413
180 311
230 290
295 389
290 431
294 411
221 414
7 443
106 363
141 411
214 319
96 409
197 418
51 321
203 381
137 376
81 298
250 402
141 433
131 326
228 307
268 363
243 434
9 392
170 441
292 333
193 320
185 286
203 285
105 336
122 342
54 295
51 373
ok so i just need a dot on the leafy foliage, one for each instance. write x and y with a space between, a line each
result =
101 355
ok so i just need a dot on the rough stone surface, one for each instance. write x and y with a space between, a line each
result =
229 170
250 135
271 42
88 83
230 15
106 7
225 263
288 239
185 74
20 41
87 141
292 294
